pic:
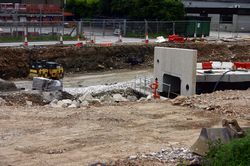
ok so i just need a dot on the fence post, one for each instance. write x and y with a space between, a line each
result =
16 28
103 28
237 26
82 27
53 31
27 28
79 29
90 28
11 30
40 27
173 27
219 31
157 26
124 27
146 26
195 30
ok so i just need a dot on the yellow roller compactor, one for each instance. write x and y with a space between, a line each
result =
46 75
46 69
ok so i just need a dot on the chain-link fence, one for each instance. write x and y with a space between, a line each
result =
111 27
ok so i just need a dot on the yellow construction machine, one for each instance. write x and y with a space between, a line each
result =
46 69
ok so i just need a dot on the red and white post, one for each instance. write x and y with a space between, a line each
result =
61 39
119 38
146 40
26 44
92 38
79 43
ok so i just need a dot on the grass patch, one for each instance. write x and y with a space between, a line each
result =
235 153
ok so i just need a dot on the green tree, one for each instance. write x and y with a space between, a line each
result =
83 8
133 9
158 9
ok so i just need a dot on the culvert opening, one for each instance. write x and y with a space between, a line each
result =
171 86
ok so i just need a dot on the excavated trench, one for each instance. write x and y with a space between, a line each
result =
14 62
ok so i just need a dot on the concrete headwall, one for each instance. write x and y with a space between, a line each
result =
176 67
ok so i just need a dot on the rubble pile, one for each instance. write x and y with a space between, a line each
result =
31 97
174 155
229 103
110 97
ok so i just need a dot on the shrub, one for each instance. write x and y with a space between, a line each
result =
235 153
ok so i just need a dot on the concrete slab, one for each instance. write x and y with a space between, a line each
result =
175 69
223 76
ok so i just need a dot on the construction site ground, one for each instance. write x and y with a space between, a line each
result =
40 135
110 133
53 136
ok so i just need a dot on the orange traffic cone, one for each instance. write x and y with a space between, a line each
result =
79 43
26 44
146 41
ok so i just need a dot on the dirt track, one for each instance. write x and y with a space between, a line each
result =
53 136
14 62
40 136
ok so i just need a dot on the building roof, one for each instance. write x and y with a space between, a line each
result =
223 4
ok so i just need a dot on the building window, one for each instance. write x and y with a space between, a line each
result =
226 18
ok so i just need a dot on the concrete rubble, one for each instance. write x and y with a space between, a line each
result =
119 98
110 97
219 101
171 155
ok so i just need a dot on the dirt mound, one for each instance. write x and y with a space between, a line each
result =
22 99
32 98
7 86
229 103
14 62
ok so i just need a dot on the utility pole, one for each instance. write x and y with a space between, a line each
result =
63 10
237 21
40 20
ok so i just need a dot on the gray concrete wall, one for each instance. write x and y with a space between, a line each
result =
179 63
202 4
244 23
241 23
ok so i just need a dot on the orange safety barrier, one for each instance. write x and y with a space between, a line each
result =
207 65
176 38
106 44
244 65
